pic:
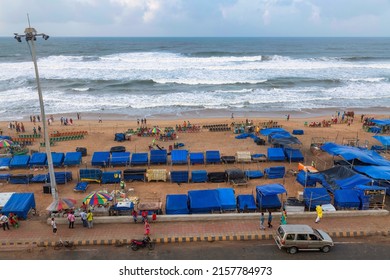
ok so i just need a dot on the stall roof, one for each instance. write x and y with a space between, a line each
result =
351 153
271 189
375 172
385 140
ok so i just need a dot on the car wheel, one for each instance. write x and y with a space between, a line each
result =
293 250
325 249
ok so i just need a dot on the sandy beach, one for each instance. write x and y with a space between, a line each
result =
100 137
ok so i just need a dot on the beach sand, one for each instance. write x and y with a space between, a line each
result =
101 138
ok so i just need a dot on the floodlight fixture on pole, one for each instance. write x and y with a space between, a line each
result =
30 34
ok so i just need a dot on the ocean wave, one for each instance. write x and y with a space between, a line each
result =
81 89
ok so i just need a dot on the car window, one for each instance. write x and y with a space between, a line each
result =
313 237
290 236
281 231
301 236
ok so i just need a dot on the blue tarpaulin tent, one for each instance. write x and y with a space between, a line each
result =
179 176
90 175
267 196
176 204
371 196
348 198
375 172
61 177
111 177
19 204
385 140
227 199
5 162
204 201
350 154
293 155
246 202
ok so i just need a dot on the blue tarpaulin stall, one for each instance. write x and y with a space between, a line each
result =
158 156
204 201
275 154
176 204
385 140
19 161
246 202
58 159
134 175
90 175
315 196
139 159
213 157
197 158
227 199
72 158
19 204
120 159
267 196
254 174
100 159
346 199
371 197
179 176
39 178
111 177
120 137
81 187
354 155
306 179
275 172
38 159
198 176
179 157
20 178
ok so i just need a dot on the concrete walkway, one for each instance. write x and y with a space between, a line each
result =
192 228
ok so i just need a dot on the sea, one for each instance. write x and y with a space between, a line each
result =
198 77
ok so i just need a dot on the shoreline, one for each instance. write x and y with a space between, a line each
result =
205 114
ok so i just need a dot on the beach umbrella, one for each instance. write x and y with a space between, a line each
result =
96 198
5 143
61 204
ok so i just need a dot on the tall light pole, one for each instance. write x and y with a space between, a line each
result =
30 34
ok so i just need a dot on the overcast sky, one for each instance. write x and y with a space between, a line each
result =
187 18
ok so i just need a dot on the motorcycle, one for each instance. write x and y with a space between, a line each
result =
145 242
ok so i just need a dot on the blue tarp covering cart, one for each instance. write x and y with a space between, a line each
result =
213 157
346 199
275 154
20 161
199 176
179 176
20 204
90 175
4 163
72 158
293 155
111 177
158 156
371 197
227 199
58 159
120 159
179 157
196 158
38 159
61 177
100 159
246 202
204 201
81 187
176 204
139 159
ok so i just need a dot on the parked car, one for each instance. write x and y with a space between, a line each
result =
302 237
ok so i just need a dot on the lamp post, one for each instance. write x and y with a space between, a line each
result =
30 34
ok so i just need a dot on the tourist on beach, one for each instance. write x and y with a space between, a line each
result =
100 119
54 225
90 219
262 227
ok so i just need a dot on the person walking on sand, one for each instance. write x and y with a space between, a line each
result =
100 119
54 226
269 219
4 221
90 219
319 213
262 219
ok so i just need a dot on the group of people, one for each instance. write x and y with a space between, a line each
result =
144 215
283 217
143 122
12 219
86 219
